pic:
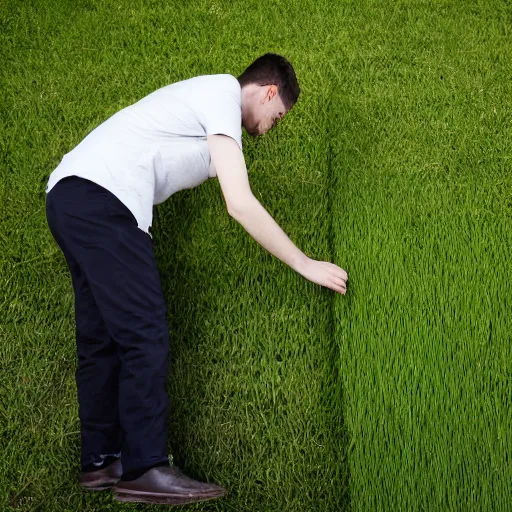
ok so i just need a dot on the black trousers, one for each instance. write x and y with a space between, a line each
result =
121 328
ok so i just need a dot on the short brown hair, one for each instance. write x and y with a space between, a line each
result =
273 69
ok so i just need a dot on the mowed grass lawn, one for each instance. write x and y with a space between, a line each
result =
395 164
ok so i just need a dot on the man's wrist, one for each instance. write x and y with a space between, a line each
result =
300 263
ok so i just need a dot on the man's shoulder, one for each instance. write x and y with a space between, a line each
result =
208 82
221 77
200 89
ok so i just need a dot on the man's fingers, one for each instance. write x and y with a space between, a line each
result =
340 281
329 275
340 285
338 271
339 289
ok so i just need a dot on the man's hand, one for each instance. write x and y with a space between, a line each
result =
325 274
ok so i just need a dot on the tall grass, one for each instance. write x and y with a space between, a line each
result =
423 220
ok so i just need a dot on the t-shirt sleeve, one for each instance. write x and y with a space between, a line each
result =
221 112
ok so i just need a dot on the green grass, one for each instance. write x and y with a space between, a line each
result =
424 209
395 164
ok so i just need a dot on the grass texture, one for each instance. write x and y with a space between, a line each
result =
395 164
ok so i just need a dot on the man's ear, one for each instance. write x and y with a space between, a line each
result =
274 90
271 92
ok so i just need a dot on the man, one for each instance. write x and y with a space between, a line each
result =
99 210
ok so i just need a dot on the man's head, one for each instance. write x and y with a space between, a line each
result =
269 91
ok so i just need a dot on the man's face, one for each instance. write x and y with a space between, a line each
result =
266 110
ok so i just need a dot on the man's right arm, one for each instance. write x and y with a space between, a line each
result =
243 206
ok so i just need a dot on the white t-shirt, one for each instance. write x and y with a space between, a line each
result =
148 151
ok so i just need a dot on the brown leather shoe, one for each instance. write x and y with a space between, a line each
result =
102 478
167 485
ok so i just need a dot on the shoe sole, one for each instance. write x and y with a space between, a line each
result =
99 485
165 499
